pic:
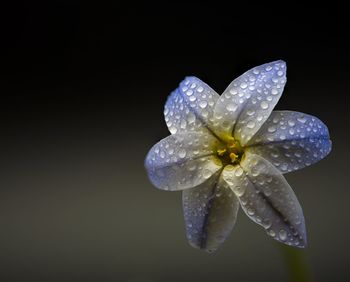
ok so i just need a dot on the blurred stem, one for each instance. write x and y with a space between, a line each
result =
296 264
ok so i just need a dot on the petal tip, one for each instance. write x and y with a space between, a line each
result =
201 248
280 63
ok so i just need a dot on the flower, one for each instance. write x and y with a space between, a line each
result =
232 150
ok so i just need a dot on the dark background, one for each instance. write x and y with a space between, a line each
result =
82 95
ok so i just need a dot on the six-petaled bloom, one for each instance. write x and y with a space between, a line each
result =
232 150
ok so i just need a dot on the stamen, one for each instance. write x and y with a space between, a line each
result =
230 153
233 157
221 152
232 145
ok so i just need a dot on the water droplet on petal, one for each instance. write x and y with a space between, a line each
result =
264 105
244 85
282 234
250 211
251 124
233 91
250 112
232 107
274 91
173 130
272 233
182 153
206 173
239 190
291 122
239 172
271 129
203 104
302 119
189 92
193 98
266 223
191 118
183 124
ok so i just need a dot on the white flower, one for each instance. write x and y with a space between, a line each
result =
231 150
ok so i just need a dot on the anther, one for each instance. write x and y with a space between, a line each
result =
233 157
221 152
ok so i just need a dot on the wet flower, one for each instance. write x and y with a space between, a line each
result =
232 150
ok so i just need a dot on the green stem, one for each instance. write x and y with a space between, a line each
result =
296 264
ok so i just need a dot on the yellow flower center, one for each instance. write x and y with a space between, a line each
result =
230 152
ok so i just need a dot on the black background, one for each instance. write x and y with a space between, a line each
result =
82 95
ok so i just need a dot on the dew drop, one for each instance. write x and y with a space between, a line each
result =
182 153
301 119
173 130
232 107
239 172
189 92
264 105
203 104
239 190
207 173
250 112
191 118
274 91
266 223
183 124
244 85
250 211
171 151
291 122
271 129
251 124
193 98
233 91
252 78
251 88
200 89
282 234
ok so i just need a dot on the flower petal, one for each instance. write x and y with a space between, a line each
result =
210 212
182 160
267 199
190 106
291 140
248 101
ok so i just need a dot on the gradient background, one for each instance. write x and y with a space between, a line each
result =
82 95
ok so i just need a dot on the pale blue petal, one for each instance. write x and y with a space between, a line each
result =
210 212
182 160
291 140
248 101
190 106
267 199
